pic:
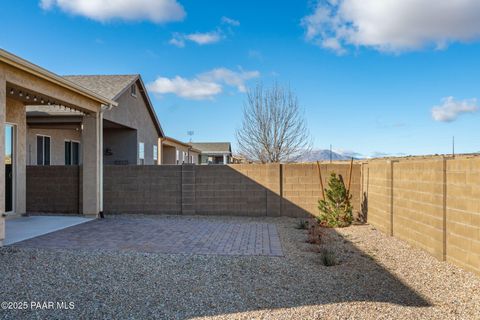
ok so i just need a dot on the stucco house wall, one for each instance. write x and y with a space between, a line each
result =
57 144
173 150
133 112
118 145
15 114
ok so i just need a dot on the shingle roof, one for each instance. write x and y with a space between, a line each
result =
112 86
212 147
109 86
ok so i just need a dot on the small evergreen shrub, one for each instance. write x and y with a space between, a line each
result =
335 209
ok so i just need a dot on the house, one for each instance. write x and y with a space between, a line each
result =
131 131
178 152
214 152
23 83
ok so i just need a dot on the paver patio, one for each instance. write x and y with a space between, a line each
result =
166 235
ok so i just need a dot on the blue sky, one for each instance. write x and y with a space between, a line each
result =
363 90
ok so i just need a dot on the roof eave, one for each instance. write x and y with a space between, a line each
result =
40 72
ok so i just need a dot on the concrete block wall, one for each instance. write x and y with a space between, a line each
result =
432 203
463 213
142 189
418 194
301 186
377 179
242 189
53 189
231 190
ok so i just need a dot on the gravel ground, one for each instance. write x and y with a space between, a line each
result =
378 278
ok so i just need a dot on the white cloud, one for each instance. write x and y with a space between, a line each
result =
157 11
229 77
203 86
232 22
450 109
204 38
189 89
392 25
179 39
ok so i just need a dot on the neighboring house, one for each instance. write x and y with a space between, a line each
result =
214 152
131 131
178 152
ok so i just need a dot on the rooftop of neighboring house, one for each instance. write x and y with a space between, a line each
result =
213 147
173 141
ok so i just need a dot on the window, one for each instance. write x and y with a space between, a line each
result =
178 156
72 153
133 90
155 153
191 159
141 152
43 150
183 157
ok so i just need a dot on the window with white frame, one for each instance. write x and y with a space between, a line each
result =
155 153
43 150
141 153
72 153
178 156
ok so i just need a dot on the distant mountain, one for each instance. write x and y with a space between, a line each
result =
323 154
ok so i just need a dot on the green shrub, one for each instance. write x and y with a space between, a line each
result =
327 258
335 209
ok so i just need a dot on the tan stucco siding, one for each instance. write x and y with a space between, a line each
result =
133 112
33 83
120 146
170 149
57 144
16 115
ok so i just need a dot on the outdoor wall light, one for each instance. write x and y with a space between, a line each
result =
20 94
35 98
11 91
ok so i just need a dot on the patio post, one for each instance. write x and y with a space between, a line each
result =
91 126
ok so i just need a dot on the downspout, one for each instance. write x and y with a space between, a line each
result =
100 157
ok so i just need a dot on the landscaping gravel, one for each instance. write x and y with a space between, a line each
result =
378 277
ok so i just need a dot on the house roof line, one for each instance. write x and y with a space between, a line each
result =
115 87
170 139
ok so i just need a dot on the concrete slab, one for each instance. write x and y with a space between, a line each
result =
23 228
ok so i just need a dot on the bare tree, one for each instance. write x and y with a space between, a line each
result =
273 127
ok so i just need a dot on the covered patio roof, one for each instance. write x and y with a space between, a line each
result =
22 84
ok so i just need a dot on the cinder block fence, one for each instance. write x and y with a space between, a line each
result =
432 203
248 190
